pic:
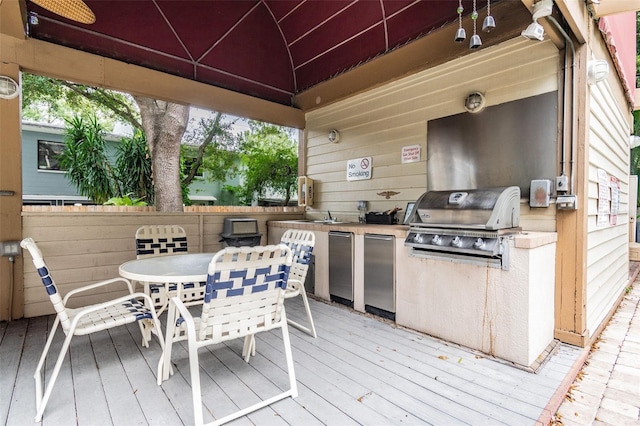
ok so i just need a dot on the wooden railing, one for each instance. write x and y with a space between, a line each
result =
83 244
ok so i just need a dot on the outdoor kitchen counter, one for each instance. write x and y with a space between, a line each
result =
321 250
505 313
398 231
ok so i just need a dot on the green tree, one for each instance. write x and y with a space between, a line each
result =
133 168
90 170
86 162
163 124
210 145
48 100
270 162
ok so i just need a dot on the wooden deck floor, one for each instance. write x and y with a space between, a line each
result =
360 370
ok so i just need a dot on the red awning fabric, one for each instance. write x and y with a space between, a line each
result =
619 32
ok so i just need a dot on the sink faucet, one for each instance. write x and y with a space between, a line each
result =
329 213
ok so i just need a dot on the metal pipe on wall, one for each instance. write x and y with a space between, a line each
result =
572 106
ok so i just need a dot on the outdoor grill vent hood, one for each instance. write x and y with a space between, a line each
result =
488 208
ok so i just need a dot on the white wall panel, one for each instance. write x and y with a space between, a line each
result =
607 247
378 123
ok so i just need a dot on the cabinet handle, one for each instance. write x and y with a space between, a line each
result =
379 237
341 235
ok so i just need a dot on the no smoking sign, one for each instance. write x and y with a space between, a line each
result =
359 169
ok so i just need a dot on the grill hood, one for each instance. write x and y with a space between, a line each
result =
487 208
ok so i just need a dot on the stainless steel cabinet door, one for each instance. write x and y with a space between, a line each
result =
379 289
341 265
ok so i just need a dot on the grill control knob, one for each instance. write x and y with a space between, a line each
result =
479 243
456 242
436 240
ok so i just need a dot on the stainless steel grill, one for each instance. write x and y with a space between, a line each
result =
468 226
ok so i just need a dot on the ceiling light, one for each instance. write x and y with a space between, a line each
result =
474 102
334 136
597 71
76 10
9 89
535 31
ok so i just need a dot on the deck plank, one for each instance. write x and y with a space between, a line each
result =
360 370
91 402
445 377
141 375
120 396
407 377
13 337
61 405
23 397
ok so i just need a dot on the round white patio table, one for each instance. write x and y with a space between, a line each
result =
175 268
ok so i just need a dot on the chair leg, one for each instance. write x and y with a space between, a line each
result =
38 373
194 369
249 348
161 367
291 392
311 329
289 357
41 405
149 326
164 365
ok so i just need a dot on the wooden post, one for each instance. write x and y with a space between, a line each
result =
11 289
571 267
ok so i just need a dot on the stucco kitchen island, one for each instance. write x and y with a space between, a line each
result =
505 313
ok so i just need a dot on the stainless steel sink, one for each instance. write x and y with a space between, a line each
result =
327 222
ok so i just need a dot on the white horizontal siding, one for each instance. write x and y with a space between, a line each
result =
607 246
378 123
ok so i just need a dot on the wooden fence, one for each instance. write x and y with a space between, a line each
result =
83 244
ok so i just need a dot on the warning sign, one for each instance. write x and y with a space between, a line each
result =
359 169
410 154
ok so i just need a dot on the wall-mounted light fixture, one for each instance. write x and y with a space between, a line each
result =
535 31
9 89
474 102
597 70
334 136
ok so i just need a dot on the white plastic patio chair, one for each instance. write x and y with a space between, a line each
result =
301 243
133 307
244 295
159 240
163 240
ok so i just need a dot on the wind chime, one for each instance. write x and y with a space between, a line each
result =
488 24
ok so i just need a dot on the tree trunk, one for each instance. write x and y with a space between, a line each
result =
164 124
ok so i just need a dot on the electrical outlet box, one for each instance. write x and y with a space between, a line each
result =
540 193
9 248
567 202
562 183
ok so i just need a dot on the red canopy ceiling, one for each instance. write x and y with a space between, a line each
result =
271 49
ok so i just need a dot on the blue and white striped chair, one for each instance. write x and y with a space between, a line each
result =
133 307
244 295
164 240
159 240
301 243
